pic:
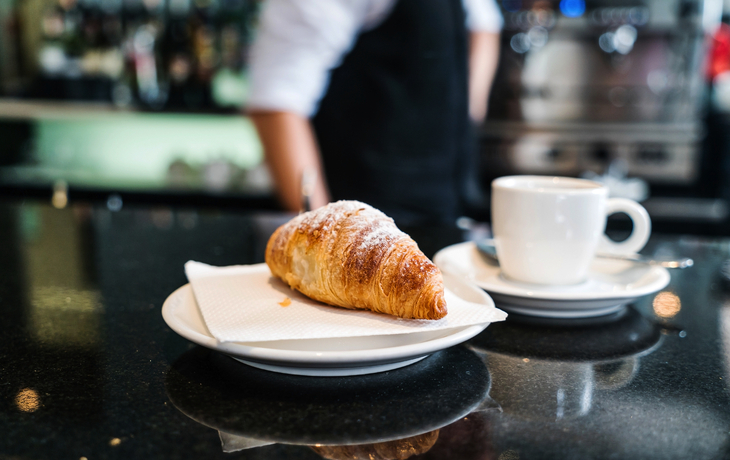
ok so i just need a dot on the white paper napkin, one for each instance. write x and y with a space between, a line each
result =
245 303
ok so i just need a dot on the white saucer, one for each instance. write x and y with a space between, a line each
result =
320 357
610 286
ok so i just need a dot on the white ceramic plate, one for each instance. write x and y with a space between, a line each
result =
324 357
610 286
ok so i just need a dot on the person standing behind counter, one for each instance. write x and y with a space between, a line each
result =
377 97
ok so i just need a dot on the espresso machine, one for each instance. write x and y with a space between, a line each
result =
588 88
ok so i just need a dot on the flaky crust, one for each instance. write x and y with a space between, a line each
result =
351 255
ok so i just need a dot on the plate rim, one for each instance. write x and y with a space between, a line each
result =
304 358
662 280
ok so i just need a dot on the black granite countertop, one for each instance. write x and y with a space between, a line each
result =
89 369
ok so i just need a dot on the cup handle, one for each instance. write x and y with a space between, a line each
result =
640 234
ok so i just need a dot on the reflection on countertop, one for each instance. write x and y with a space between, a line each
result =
552 369
89 368
251 408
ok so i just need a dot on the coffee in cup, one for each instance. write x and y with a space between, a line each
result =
547 230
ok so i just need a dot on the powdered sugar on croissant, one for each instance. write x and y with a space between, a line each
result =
351 255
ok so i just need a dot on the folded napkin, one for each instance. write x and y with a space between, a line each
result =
245 303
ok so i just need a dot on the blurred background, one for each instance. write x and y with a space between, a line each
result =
140 100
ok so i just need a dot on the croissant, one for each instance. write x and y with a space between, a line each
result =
351 255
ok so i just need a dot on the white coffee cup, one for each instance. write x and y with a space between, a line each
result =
547 230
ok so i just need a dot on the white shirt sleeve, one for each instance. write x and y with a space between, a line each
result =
483 16
297 44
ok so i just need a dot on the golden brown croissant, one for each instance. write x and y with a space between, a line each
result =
400 449
351 255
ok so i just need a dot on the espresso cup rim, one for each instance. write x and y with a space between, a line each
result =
558 184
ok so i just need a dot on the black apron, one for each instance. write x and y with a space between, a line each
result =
393 126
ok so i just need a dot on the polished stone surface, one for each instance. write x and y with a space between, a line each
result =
89 369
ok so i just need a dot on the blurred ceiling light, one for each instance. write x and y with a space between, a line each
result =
27 400
606 15
180 68
545 18
622 40
639 15
538 36
606 42
144 39
636 15
572 8
520 43
625 38
522 20
666 304
114 203
657 81
52 59
59 200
